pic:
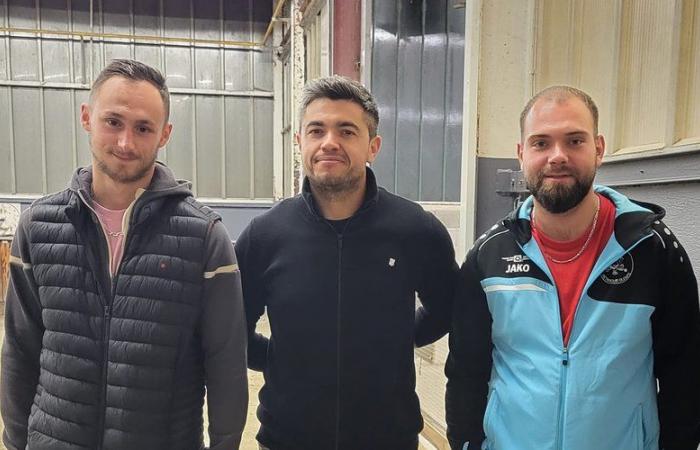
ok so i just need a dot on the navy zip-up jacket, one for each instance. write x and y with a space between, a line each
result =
339 368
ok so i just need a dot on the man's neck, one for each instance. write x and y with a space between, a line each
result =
339 206
568 225
115 195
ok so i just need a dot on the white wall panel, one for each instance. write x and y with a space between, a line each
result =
504 81
646 77
688 112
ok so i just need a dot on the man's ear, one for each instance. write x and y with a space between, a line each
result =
599 149
165 135
85 116
375 144
519 152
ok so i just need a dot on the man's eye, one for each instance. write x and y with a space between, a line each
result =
315 131
143 130
539 144
112 122
577 141
348 133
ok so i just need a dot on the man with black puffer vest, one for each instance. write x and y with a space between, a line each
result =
338 268
125 298
576 322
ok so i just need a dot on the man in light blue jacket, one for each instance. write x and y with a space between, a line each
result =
576 323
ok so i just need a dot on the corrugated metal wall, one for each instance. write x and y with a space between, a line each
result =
417 77
221 99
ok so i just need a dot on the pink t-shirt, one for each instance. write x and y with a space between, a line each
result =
111 221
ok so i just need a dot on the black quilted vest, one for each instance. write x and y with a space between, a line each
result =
121 364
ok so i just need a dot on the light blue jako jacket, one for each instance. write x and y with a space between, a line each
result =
600 392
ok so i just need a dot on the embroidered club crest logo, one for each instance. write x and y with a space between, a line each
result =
620 271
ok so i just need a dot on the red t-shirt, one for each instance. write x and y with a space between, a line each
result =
571 277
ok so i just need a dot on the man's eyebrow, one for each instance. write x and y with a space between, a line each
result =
116 115
314 123
537 136
348 124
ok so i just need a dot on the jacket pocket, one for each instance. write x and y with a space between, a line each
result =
491 411
639 428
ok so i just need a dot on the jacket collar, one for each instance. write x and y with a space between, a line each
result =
371 195
163 184
633 219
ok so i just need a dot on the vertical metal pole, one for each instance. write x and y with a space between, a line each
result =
277 117
10 103
103 56
71 76
396 100
420 103
193 74
472 59
222 69
92 44
161 28
367 39
446 98
132 26
298 78
251 116
42 113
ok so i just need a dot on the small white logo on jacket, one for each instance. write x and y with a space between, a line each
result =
517 263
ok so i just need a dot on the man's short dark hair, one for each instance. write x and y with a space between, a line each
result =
337 87
560 94
134 71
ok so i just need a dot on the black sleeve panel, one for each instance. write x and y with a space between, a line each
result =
468 366
253 298
676 332
436 290
22 346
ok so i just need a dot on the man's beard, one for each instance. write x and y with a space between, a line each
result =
334 187
124 176
559 198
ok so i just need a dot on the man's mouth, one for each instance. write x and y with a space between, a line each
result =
329 159
124 156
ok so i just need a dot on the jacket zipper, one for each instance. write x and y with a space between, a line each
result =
107 318
337 352
565 347
562 396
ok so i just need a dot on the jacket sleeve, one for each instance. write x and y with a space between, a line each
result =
676 334
437 283
22 345
253 297
224 343
468 365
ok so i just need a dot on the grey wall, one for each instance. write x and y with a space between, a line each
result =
221 96
671 181
417 77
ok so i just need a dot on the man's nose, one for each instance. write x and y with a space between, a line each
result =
558 154
330 141
125 138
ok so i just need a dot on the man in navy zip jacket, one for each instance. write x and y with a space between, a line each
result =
573 308
338 268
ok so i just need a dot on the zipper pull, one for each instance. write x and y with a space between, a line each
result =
565 357
108 312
